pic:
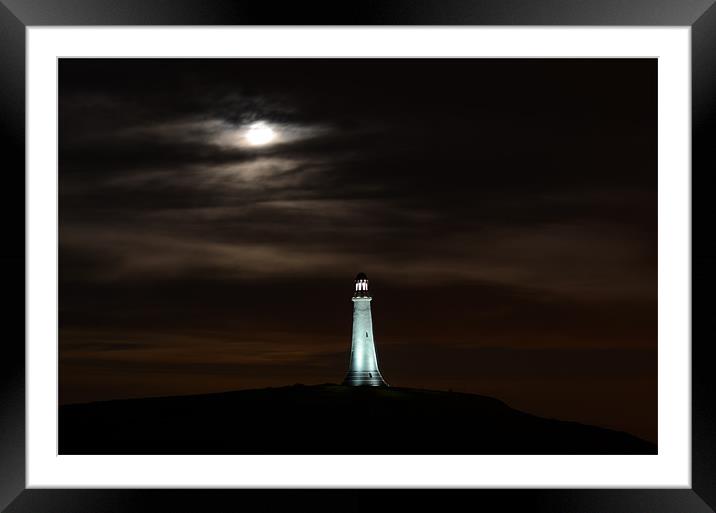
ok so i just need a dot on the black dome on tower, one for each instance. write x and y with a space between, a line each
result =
361 276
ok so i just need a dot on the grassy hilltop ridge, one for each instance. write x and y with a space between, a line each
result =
328 419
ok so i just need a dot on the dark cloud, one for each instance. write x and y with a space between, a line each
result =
505 211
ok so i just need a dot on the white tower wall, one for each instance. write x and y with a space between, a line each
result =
363 367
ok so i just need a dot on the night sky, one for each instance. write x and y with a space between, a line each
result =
505 212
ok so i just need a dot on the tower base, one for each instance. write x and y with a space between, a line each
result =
364 378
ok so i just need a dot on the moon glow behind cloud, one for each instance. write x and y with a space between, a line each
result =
260 134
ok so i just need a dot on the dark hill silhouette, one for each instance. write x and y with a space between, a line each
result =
328 419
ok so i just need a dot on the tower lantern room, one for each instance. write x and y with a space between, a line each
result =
361 286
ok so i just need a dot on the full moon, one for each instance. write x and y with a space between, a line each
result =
259 134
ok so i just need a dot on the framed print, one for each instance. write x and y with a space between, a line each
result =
294 258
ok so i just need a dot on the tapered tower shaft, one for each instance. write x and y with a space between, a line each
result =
363 365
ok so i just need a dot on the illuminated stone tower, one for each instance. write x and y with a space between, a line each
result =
363 367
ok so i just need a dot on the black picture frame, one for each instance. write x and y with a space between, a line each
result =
17 15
